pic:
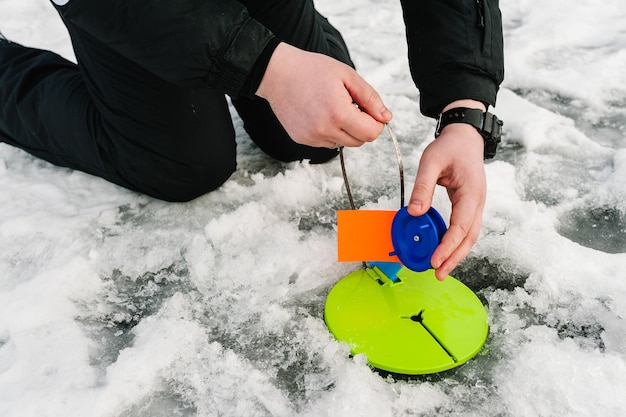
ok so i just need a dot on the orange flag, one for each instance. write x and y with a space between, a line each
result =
364 235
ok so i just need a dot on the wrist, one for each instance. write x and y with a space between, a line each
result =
484 123
468 103
274 63
463 140
254 77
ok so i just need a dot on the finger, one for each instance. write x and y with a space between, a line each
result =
361 125
422 195
461 251
342 138
367 98
464 227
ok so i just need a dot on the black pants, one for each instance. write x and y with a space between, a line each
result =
112 118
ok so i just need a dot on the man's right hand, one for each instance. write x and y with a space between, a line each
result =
314 97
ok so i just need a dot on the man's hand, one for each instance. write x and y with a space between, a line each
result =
454 160
313 96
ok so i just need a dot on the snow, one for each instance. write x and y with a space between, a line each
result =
116 304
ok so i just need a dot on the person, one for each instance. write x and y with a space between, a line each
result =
145 106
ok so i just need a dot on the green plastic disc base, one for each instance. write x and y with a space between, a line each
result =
418 325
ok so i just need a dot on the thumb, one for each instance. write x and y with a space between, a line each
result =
367 98
423 190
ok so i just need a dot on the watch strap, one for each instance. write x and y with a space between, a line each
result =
487 124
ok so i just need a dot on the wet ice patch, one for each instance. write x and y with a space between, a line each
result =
601 228
116 304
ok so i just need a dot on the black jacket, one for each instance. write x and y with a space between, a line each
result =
455 50
455 46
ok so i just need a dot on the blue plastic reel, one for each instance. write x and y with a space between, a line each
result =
415 239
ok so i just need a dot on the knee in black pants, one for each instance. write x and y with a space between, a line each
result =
177 178
198 183
177 183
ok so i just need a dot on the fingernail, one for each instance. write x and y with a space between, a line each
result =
386 114
414 208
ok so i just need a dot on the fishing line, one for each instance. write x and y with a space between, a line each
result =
396 146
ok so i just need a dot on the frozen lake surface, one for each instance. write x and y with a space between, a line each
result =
116 304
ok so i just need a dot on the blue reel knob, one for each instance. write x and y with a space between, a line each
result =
415 239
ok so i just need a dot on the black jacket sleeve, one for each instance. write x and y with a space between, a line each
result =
455 50
194 43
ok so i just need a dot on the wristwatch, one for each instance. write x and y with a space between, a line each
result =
487 124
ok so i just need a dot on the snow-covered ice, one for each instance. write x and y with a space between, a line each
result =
116 304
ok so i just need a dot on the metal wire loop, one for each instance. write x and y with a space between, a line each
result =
400 169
